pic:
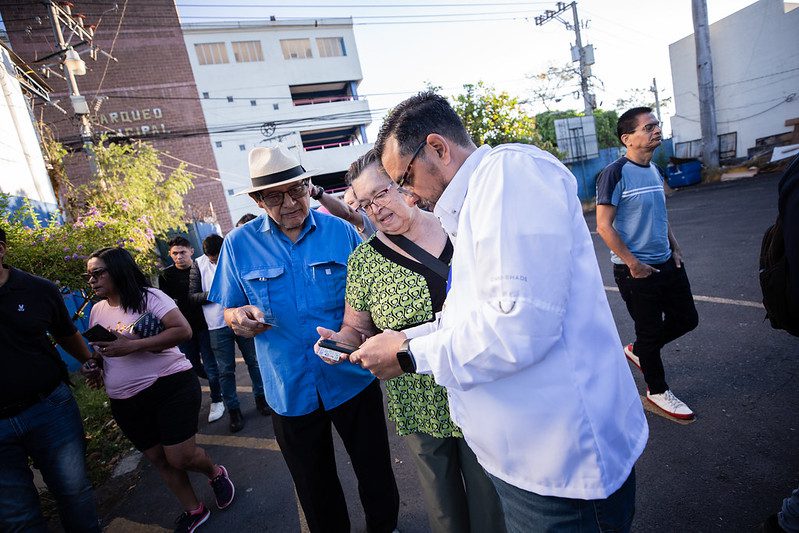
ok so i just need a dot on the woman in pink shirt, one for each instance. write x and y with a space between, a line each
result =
155 396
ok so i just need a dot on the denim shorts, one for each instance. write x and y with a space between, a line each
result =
164 413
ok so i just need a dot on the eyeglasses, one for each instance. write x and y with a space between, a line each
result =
380 199
649 128
404 177
95 274
276 198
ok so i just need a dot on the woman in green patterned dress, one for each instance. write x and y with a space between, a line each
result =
388 289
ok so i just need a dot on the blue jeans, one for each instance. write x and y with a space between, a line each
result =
526 512
222 340
199 347
51 433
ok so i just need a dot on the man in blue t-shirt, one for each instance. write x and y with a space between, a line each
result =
647 260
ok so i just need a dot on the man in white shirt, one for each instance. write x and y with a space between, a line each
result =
526 344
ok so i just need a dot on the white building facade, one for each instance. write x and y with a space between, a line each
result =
24 174
755 55
288 82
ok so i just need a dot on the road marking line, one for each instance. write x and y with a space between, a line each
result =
239 388
123 525
712 299
231 441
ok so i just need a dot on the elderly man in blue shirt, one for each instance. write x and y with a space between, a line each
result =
279 277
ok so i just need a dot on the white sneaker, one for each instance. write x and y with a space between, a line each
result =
628 352
671 405
217 410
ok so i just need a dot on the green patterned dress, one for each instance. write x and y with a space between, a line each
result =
399 293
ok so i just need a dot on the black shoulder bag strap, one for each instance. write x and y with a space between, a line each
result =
420 254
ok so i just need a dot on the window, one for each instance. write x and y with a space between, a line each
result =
229 98
275 106
242 147
211 53
296 48
206 95
219 144
253 103
331 46
247 51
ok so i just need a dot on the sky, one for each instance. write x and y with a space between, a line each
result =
405 45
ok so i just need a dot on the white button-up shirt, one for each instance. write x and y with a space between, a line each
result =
526 344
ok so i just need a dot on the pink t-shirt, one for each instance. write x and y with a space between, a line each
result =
128 375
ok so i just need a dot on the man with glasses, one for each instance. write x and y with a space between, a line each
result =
647 260
278 277
39 418
526 344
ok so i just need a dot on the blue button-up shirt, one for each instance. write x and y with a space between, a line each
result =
298 285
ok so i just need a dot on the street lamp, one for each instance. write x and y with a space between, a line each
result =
74 63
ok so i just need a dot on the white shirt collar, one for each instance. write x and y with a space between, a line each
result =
448 207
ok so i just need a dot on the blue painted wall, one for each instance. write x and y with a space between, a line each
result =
586 172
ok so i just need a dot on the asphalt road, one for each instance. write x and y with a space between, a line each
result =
726 471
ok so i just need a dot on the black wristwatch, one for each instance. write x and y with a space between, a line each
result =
318 194
405 358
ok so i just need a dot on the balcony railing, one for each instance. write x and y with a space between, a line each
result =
326 146
323 100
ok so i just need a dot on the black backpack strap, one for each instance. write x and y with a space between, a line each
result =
420 254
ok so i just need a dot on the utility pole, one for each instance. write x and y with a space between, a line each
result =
62 14
654 90
704 76
583 54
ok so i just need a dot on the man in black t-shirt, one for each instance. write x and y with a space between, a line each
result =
39 418
174 281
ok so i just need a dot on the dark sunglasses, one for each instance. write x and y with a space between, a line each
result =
96 273
404 177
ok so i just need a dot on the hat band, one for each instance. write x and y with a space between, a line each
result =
278 177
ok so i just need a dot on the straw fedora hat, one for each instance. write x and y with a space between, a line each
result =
272 167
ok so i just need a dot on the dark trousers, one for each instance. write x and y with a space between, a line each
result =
307 446
662 307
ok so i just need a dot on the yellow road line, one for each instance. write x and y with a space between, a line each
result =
231 441
123 525
239 388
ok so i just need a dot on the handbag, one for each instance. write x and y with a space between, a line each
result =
147 325
420 254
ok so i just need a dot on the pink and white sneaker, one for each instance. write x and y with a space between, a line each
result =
628 352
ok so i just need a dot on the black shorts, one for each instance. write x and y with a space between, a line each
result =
164 413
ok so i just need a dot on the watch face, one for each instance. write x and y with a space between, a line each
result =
406 362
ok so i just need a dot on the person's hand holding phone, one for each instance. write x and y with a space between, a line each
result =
120 347
246 321
331 347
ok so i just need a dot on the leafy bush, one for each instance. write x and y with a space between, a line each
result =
129 204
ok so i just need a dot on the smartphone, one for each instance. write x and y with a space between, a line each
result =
330 349
98 333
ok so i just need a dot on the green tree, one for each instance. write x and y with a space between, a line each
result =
132 204
605 122
494 118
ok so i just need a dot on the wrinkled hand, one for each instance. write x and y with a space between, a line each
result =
92 372
642 270
378 354
245 321
118 348
677 255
